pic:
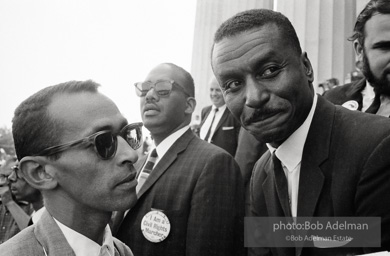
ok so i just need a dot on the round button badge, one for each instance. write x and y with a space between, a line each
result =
351 105
155 226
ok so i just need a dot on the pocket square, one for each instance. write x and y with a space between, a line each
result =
227 128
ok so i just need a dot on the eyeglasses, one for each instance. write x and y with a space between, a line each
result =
162 87
13 176
105 142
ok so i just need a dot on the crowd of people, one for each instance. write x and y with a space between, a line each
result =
268 146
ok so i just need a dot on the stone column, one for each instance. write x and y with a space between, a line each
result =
323 27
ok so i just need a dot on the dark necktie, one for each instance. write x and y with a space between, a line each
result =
211 125
373 108
147 170
281 185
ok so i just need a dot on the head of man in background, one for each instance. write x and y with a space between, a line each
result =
167 107
21 190
216 94
76 147
14 213
371 40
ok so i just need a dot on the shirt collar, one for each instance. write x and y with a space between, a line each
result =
290 151
221 109
164 145
82 245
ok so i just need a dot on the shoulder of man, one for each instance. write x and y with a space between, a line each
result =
340 94
23 243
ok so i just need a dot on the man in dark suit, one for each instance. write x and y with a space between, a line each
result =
371 41
218 126
192 185
324 160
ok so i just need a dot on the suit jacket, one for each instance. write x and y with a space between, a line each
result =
249 150
46 234
345 171
199 188
226 132
353 91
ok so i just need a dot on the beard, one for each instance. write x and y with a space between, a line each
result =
380 84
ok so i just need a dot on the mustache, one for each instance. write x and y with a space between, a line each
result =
258 114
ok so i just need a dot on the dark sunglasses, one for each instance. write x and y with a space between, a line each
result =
162 87
105 142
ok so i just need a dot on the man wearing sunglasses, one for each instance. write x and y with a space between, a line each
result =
194 189
75 146
14 210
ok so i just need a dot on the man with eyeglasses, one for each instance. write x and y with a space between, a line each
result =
75 146
14 211
190 192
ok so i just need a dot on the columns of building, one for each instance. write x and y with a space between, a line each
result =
323 27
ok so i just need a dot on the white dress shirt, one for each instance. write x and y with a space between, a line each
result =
167 143
36 215
290 155
83 246
206 125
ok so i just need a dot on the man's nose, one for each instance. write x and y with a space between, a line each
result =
126 152
152 95
256 94
12 177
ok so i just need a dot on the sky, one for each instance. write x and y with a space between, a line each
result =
115 43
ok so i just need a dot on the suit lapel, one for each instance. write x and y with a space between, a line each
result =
51 237
163 164
206 114
222 120
315 152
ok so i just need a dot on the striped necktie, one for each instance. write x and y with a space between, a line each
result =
146 170
211 125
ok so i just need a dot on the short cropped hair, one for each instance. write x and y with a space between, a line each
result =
190 84
372 8
33 128
256 18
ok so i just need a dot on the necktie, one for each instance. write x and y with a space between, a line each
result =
281 185
211 125
373 108
147 170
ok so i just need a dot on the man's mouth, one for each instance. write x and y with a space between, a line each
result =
151 107
258 116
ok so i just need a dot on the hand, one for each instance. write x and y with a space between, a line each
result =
6 195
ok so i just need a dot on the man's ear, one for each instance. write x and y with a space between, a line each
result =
34 172
308 68
191 104
358 50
